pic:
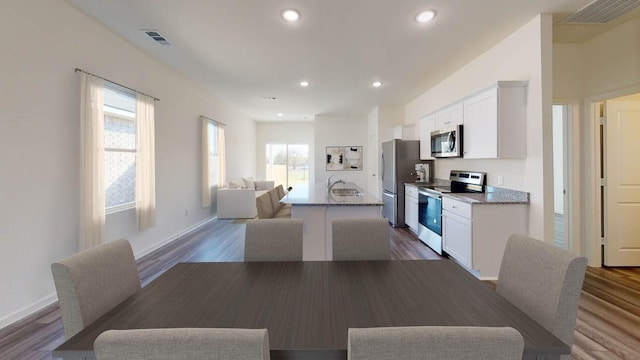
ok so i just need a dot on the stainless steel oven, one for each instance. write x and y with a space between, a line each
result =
430 219
447 142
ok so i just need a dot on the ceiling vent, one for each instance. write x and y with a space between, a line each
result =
601 11
157 37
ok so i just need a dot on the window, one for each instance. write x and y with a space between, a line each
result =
288 164
214 160
119 148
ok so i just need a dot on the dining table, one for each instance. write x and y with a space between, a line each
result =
308 306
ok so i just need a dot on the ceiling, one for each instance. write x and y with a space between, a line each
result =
245 53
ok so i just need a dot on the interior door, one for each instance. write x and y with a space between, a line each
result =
622 177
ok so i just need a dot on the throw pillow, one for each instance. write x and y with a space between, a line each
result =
235 184
249 183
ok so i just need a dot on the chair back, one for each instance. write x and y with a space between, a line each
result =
94 281
264 207
361 239
544 282
183 344
273 240
280 191
435 343
275 200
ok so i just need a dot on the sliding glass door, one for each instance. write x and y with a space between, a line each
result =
288 164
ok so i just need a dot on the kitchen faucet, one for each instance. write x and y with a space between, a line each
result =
330 184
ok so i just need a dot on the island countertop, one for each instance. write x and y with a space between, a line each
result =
316 195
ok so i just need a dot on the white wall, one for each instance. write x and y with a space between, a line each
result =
524 55
605 66
39 143
340 130
283 133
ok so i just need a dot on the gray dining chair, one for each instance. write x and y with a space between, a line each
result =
264 207
544 282
94 281
435 343
183 344
273 240
361 239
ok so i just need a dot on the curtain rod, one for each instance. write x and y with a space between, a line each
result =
113 82
217 122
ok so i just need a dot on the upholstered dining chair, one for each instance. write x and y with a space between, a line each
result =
361 239
264 207
544 282
280 191
435 343
273 240
94 281
183 344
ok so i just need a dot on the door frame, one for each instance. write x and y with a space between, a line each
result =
592 217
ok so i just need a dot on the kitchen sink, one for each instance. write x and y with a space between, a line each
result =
346 192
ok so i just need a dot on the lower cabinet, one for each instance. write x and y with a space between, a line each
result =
411 207
476 235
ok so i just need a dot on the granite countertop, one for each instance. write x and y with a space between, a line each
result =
491 196
316 195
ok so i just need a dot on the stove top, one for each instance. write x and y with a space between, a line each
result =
461 182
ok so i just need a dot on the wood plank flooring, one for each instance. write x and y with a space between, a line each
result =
608 324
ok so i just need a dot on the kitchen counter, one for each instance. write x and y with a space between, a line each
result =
491 196
316 194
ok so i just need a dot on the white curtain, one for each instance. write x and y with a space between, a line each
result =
92 191
206 188
145 163
221 176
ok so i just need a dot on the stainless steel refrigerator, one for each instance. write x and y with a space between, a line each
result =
397 167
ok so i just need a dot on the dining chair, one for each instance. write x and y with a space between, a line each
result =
434 343
361 239
273 240
543 281
94 281
183 344
280 191
264 207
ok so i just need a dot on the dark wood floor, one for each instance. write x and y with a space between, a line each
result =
608 319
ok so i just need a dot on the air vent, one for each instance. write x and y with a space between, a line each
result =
157 37
601 11
270 98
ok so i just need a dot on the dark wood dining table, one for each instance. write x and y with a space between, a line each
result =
308 307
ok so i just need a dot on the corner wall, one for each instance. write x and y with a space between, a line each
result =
523 55
40 144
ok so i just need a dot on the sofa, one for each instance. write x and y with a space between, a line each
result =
238 199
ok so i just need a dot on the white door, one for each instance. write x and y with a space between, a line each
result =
622 176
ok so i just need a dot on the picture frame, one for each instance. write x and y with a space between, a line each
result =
335 158
353 158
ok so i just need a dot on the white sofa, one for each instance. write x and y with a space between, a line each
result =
240 203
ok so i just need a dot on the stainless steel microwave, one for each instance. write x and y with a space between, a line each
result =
447 142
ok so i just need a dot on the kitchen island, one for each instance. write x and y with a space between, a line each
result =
318 208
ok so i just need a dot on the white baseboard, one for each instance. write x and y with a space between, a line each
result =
28 310
174 237
52 298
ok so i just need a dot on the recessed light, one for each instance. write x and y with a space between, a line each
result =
280 114
376 84
425 16
304 83
291 15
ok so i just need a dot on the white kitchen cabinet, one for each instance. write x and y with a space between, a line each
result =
494 122
411 207
405 132
427 125
450 116
476 235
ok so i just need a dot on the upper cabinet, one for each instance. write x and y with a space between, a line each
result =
427 125
494 122
450 116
